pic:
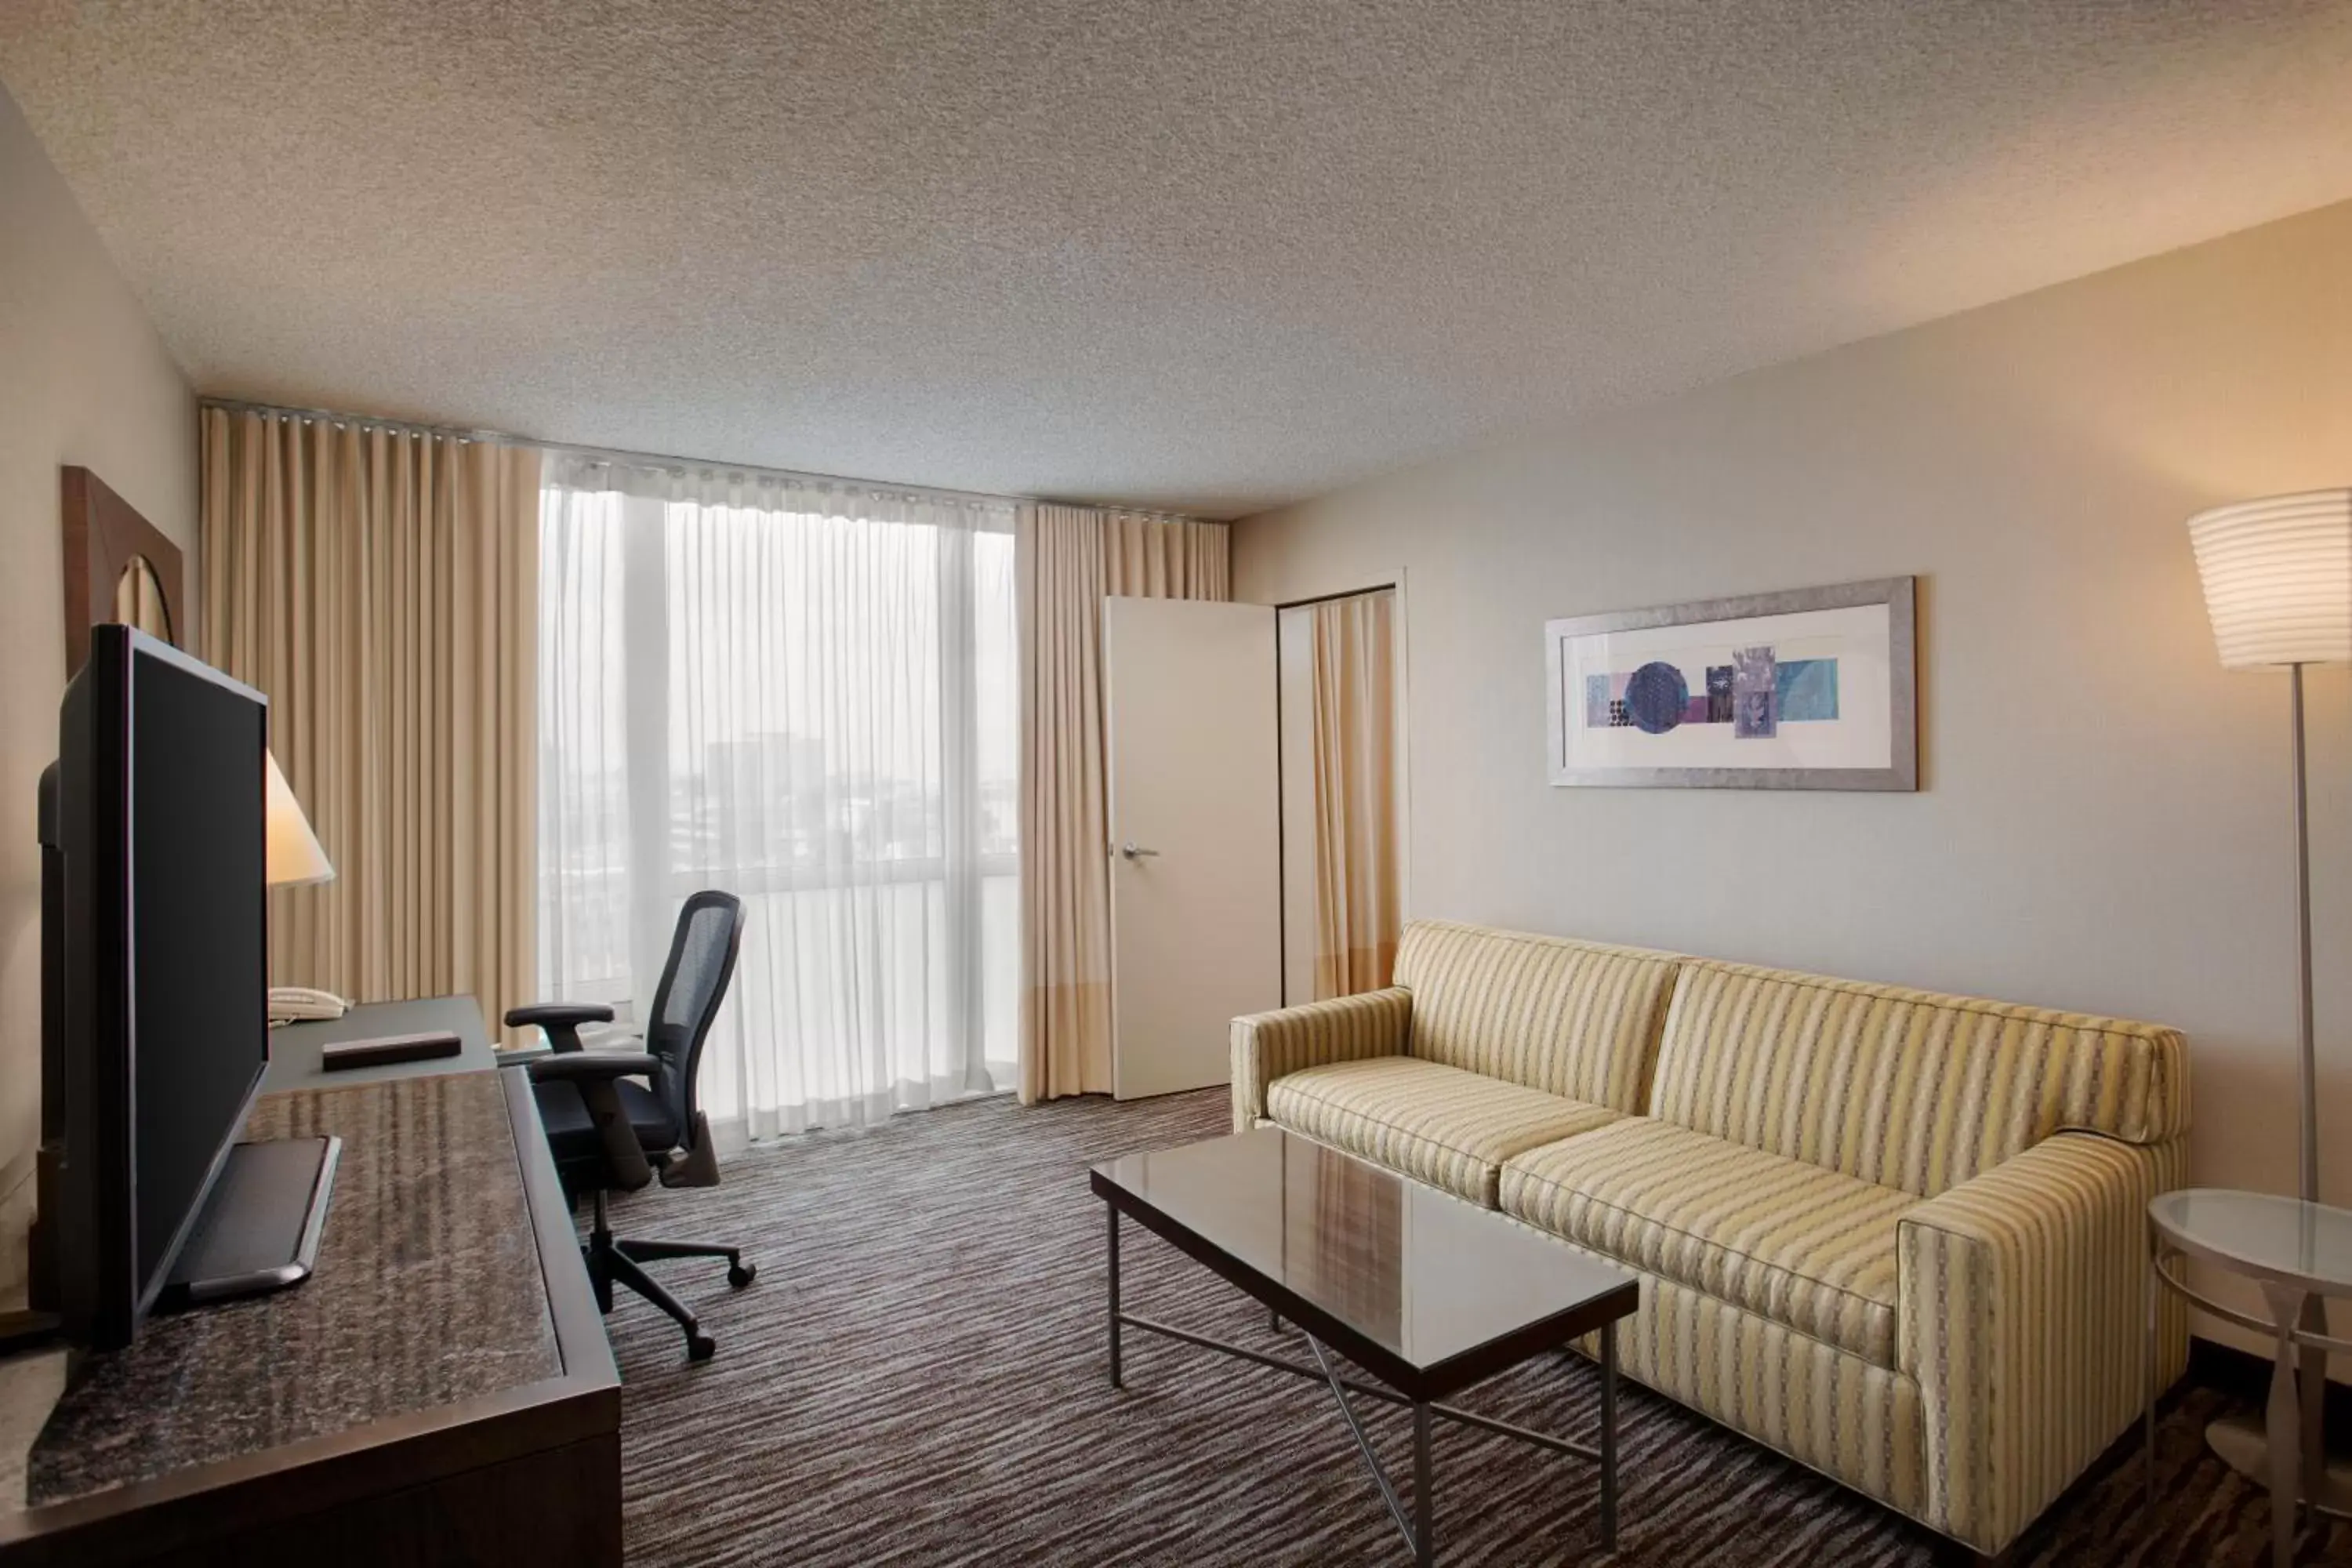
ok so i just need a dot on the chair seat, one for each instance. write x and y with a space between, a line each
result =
1807 1247
570 1135
1447 1126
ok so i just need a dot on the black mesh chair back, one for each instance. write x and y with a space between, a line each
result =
610 1136
693 983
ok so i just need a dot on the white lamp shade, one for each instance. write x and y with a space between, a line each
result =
293 855
2278 578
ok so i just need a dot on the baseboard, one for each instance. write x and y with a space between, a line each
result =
2248 1376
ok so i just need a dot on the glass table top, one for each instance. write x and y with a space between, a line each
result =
1418 1272
2263 1233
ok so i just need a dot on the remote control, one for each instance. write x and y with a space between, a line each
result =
389 1048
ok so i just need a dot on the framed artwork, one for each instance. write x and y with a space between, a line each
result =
1813 689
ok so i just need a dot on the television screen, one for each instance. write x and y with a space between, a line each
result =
155 980
198 969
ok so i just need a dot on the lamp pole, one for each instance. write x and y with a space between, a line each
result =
2309 1066
2277 576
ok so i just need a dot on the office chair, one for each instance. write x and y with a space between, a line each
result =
609 1135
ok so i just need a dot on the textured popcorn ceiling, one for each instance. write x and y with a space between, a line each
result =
1210 255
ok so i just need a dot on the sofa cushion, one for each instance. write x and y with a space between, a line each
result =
1449 1128
1790 1241
1574 1018
1905 1088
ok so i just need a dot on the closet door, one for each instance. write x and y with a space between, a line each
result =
1196 921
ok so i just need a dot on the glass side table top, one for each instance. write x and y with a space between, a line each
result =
2262 1235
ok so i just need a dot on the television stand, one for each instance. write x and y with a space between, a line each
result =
259 1227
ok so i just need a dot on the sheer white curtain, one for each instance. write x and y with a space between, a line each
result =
802 692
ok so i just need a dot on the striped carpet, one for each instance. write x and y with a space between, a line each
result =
917 1378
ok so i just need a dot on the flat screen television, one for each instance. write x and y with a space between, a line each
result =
155 1036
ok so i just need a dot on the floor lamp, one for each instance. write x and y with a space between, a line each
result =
2278 586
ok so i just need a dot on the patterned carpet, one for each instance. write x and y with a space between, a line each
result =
917 1378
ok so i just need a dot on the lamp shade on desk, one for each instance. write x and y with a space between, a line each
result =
293 856
2278 578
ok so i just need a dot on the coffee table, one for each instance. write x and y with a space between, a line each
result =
1425 1292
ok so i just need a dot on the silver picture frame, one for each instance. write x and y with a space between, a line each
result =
1897 593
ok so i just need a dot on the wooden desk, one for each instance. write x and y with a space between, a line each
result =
294 1047
440 1391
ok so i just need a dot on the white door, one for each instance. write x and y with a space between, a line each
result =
1195 849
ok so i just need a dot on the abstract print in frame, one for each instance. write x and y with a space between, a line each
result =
1813 689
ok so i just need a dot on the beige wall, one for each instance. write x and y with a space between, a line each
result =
2103 823
83 379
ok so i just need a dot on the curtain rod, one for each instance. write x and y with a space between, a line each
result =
614 455
364 421
622 458
655 459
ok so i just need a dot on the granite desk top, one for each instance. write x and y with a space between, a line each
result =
428 1291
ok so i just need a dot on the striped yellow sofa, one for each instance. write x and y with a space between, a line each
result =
1897 1237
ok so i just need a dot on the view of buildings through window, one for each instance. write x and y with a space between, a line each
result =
805 697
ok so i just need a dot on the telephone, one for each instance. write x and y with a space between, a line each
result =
299 1004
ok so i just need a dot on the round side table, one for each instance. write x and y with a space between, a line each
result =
2300 1254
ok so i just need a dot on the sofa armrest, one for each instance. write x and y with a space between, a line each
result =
1343 1029
2022 1314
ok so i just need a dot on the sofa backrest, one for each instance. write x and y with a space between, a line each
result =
1576 1018
1905 1089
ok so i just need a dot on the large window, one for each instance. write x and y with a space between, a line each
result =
803 694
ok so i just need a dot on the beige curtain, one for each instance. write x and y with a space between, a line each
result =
382 586
1070 559
1356 870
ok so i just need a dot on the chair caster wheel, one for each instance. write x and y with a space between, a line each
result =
742 1273
700 1347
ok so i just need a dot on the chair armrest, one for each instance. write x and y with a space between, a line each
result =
1343 1029
2022 1312
593 1067
558 1013
594 1072
559 1021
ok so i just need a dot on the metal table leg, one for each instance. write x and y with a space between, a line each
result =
2148 1388
2284 1426
2315 1408
1424 1495
1418 1525
1609 1438
1113 1211
1415 1527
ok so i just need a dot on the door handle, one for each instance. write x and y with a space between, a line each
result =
1135 851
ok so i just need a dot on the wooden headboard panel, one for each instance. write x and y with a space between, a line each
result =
105 537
